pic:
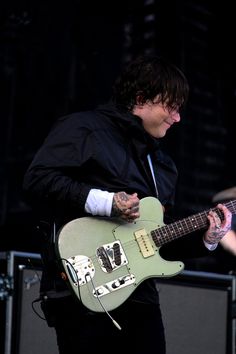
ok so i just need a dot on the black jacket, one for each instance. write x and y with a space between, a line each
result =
105 149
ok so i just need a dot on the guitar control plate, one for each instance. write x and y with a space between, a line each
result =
114 285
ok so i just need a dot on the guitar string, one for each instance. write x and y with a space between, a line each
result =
174 230
179 227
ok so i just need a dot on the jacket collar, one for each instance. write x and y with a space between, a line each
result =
131 126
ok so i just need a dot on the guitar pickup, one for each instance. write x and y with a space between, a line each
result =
144 243
111 256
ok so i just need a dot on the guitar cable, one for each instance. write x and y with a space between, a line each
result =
99 300
103 307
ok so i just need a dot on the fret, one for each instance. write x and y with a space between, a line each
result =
187 225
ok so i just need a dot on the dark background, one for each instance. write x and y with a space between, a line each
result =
58 57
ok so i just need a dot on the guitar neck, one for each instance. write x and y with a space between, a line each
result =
186 226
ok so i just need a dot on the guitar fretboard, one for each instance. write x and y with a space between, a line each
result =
185 226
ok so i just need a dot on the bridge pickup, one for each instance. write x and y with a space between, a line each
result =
111 256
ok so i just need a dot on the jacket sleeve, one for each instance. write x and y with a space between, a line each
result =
55 176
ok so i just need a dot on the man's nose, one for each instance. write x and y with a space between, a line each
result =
175 116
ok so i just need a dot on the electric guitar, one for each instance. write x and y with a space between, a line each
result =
105 259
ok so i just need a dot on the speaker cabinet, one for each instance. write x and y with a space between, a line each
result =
198 313
26 331
198 310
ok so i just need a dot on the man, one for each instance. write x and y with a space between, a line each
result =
102 163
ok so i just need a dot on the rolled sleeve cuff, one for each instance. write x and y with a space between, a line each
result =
99 202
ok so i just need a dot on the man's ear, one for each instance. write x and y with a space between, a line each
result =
139 100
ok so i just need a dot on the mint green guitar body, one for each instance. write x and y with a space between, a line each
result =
105 259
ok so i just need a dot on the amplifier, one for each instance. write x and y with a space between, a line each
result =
25 331
199 312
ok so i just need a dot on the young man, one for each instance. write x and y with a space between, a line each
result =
103 163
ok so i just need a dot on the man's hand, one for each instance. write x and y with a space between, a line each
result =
125 206
217 228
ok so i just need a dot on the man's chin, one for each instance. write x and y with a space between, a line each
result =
161 134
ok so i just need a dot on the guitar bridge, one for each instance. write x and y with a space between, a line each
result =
111 256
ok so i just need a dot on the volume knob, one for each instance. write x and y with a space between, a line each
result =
116 284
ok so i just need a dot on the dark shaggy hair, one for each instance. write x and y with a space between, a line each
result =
148 78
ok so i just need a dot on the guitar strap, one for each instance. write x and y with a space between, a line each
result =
153 174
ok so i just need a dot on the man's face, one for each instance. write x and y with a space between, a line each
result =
156 117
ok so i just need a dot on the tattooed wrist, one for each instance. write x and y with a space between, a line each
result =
115 211
117 203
